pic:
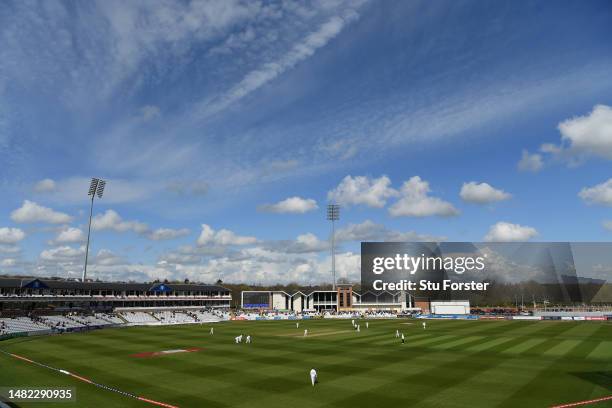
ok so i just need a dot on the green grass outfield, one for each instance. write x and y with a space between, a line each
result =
451 364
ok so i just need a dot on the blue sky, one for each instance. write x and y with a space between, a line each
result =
224 128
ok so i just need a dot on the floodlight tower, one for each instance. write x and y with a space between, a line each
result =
95 188
333 215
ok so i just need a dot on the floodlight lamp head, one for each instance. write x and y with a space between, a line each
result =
100 189
333 212
93 186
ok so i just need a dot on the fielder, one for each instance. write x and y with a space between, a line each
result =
212 331
305 332
358 328
397 334
297 325
238 339
424 325
313 377
353 322
367 325
403 340
248 339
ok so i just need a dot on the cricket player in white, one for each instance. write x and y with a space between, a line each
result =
313 377
212 330
424 325
305 332
237 339
353 322
358 328
297 325
397 334
367 325
403 338
248 339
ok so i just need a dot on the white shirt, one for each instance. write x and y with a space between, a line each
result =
313 373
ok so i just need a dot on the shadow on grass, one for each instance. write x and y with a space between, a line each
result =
600 378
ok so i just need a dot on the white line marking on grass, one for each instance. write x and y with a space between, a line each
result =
88 381
579 403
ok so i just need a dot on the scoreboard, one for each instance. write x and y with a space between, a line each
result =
256 300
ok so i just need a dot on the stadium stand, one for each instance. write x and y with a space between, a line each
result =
74 321
61 322
138 317
21 325
109 318
173 317
209 316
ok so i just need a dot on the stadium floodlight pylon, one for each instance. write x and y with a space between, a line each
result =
333 215
95 188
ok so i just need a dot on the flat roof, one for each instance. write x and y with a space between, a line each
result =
75 285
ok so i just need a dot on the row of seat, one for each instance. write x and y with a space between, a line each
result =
77 321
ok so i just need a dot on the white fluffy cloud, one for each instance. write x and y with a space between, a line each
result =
161 234
269 267
590 134
11 235
107 258
581 137
304 243
8 262
372 192
223 237
598 194
45 186
30 212
110 220
295 205
530 162
507 232
415 201
9 249
70 235
63 254
370 231
482 193
64 261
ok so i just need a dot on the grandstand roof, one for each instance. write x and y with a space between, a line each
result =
68 285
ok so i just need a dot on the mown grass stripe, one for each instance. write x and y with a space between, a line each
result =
489 344
603 351
523 346
458 342
562 348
